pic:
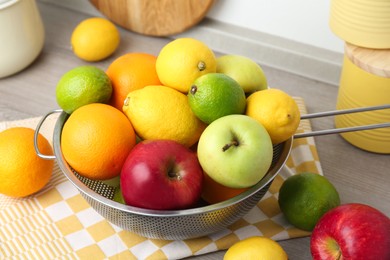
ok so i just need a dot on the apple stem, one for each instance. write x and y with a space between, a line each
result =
227 146
126 101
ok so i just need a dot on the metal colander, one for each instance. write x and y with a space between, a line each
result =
164 224
178 224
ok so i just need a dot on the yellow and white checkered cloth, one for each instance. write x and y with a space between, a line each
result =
58 223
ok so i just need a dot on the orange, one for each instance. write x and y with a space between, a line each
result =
96 140
129 72
22 172
213 192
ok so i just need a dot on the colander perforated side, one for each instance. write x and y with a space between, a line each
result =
169 225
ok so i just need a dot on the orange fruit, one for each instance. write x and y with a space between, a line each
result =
213 192
96 140
22 172
129 72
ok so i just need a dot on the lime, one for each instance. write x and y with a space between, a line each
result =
118 197
305 197
215 95
256 247
81 86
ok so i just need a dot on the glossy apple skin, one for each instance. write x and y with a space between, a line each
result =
239 166
245 71
162 175
351 231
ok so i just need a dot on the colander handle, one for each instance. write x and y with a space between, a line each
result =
345 129
36 134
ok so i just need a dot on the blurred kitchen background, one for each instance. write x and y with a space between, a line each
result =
293 36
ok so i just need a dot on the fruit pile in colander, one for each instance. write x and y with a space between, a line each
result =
172 129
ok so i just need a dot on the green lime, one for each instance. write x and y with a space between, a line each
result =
81 86
305 197
118 197
215 95
114 182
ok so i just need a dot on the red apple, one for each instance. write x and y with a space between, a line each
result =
351 231
161 174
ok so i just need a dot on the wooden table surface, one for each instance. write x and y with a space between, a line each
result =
359 176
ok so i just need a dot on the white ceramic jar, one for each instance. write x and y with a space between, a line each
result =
22 35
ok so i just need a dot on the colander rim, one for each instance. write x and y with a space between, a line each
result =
67 171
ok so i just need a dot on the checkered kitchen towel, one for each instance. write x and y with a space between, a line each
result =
58 223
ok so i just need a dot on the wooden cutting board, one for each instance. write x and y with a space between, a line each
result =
154 17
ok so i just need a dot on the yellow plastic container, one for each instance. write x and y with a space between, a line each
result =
365 23
365 81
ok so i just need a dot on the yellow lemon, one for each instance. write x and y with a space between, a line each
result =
182 61
160 112
95 39
276 111
256 248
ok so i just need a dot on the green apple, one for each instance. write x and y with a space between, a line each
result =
245 71
235 151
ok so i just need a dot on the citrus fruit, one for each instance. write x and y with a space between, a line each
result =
213 192
254 248
129 72
215 95
96 140
22 172
305 197
244 70
276 111
118 197
160 112
183 60
95 39
81 86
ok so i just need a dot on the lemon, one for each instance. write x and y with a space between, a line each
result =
254 248
215 95
305 197
95 39
183 60
160 112
276 111
81 86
